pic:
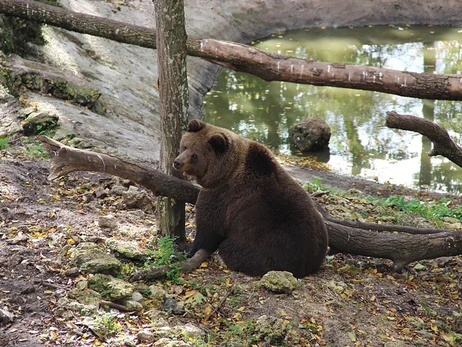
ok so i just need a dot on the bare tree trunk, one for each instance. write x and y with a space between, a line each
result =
401 244
173 88
240 57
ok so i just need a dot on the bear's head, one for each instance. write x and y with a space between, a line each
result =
204 150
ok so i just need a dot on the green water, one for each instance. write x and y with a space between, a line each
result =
361 144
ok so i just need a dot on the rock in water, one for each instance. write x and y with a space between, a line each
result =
312 134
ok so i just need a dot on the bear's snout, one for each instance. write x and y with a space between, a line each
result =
177 164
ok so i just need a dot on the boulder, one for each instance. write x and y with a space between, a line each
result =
312 134
279 282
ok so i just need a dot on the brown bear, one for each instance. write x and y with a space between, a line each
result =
250 209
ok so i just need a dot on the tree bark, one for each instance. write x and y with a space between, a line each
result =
401 244
442 142
268 66
173 90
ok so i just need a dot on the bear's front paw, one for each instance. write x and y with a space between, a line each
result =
185 247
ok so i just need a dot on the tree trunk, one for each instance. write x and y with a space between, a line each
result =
239 57
173 89
401 244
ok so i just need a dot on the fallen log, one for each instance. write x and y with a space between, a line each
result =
401 244
240 57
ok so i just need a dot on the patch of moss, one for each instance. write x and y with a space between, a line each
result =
6 75
20 35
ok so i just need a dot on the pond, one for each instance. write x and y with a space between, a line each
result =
361 144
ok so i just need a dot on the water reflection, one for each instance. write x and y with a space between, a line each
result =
360 142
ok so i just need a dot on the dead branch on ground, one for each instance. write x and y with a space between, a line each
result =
66 159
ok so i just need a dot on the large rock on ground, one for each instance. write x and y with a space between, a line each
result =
90 258
312 134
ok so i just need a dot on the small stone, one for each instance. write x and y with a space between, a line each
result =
420 267
171 305
72 272
312 134
338 287
118 190
191 331
128 249
101 193
134 198
145 336
271 329
108 221
85 296
158 318
279 281
133 305
97 327
90 258
158 295
82 284
83 309
137 296
6 316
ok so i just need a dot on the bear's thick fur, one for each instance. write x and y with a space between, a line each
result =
250 209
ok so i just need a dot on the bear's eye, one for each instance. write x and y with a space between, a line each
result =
194 156
183 148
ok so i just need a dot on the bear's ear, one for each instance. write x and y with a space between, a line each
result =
195 125
219 143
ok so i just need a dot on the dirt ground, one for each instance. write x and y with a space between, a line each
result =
353 301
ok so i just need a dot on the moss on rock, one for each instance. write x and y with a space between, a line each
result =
111 288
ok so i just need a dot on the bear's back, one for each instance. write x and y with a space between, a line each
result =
271 222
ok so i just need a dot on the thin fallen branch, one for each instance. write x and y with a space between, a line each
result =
188 265
240 57
119 307
377 227
442 142
222 301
